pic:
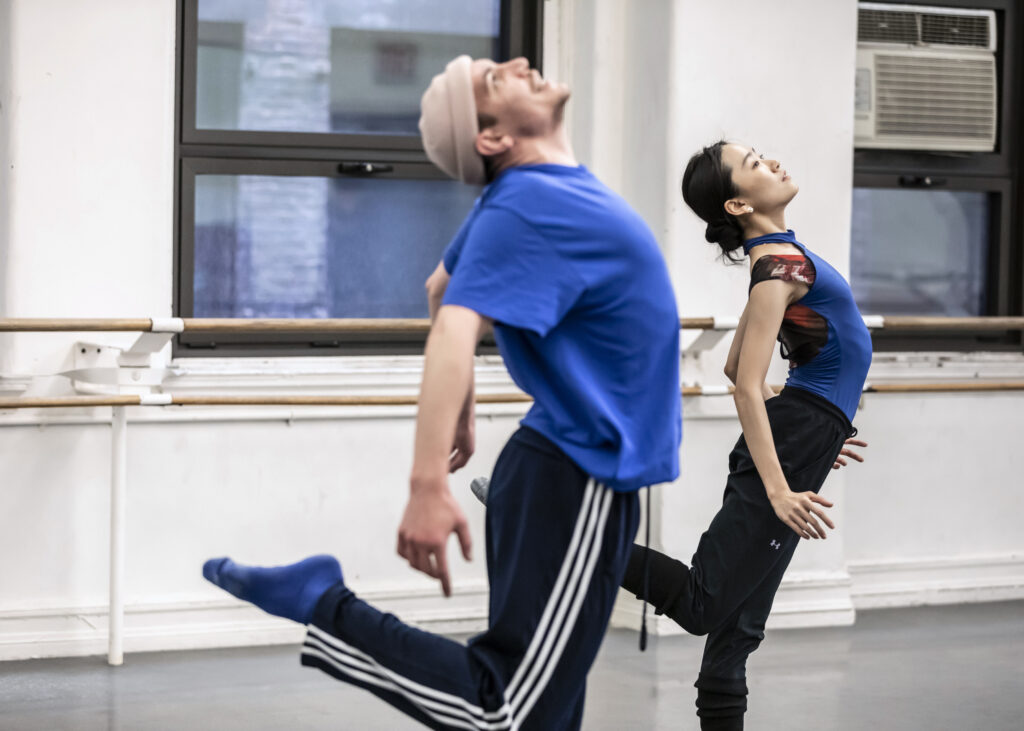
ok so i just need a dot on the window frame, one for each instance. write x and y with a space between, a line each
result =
998 172
204 151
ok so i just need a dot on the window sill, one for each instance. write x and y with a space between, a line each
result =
945 366
347 375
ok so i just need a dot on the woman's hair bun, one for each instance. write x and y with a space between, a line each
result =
707 185
725 233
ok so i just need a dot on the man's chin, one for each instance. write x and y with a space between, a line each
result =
559 109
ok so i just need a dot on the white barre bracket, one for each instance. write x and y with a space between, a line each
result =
714 391
110 369
140 354
129 377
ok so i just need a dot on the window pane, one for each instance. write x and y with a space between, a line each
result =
278 246
346 66
922 252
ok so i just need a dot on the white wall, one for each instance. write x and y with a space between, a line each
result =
86 172
742 73
674 76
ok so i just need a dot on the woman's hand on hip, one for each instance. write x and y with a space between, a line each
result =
801 511
840 462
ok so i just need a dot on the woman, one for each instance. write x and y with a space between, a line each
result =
789 442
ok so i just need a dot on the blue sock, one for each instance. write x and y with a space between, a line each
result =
285 591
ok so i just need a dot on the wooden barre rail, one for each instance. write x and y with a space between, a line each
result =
494 398
416 326
901 322
216 325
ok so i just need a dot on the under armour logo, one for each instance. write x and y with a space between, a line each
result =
775 544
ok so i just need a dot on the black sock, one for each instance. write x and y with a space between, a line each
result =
722 711
731 723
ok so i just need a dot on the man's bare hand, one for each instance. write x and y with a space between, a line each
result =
431 515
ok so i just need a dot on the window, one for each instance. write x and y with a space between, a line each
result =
302 187
937 231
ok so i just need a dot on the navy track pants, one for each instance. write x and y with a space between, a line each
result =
557 547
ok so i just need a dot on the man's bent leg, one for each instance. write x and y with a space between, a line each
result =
556 549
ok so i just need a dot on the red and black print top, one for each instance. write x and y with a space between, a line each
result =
804 332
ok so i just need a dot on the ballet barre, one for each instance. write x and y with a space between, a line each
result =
175 325
156 333
167 399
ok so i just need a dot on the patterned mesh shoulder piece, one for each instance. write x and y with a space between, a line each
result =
804 332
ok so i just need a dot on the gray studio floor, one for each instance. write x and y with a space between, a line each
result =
959 668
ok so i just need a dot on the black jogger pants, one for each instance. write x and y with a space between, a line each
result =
727 590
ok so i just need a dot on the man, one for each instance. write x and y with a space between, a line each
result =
583 312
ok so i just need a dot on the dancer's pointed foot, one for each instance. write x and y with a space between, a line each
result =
285 591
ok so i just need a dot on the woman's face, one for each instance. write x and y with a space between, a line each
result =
762 182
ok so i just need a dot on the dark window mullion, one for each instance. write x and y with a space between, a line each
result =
301 153
932 163
184 300
300 139
193 166
524 21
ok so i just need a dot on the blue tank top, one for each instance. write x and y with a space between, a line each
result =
823 334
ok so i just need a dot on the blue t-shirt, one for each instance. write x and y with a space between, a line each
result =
584 315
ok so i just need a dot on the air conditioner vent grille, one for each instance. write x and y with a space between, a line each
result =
938 96
887 26
917 28
955 30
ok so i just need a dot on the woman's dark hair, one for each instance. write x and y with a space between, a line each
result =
707 185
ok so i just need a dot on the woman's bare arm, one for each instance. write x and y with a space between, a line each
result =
764 312
732 361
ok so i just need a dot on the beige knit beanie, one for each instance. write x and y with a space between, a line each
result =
448 123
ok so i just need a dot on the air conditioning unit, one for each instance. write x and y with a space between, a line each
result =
926 78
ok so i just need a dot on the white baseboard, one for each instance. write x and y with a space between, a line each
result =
831 600
813 599
184 625
956 580
817 599
804 600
